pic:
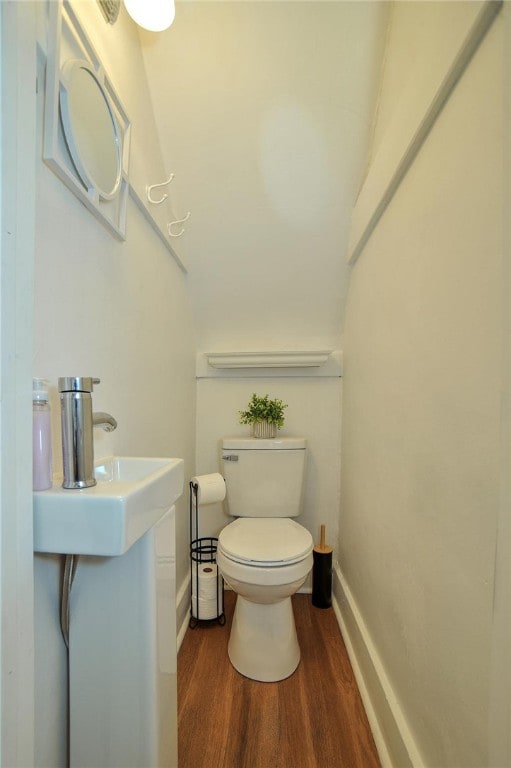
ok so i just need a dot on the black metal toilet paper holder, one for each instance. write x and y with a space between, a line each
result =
202 551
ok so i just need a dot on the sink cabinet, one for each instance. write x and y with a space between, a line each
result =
122 656
122 620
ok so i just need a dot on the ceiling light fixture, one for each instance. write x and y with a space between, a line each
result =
154 15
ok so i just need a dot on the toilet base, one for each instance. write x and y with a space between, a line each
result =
263 644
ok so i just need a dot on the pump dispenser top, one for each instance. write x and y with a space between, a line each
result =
41 436
40 388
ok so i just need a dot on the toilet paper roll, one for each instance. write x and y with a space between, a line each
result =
204 580
205 609
210 488
207 595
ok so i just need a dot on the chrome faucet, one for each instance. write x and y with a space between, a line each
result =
103 420
77 422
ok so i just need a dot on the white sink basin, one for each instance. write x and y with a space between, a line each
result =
131 495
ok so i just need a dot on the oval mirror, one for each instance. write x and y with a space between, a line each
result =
90 128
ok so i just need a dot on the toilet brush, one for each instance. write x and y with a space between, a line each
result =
322 573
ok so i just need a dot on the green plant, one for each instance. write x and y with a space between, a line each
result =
263 409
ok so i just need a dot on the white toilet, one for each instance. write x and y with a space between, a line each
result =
264 556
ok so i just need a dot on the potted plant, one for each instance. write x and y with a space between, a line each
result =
265 415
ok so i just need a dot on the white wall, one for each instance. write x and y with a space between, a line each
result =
437 31
119 311
422 417
264 111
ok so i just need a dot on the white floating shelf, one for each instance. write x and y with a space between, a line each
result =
245 364
267 359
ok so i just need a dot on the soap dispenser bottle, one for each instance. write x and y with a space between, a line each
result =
41 433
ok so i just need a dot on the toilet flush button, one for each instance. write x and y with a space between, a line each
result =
231 457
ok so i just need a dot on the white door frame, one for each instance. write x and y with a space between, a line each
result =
500 688
17 214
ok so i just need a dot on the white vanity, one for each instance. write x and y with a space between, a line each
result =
122 631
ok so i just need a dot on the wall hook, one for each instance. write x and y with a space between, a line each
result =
178 221
153 186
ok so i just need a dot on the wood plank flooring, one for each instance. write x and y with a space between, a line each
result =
314 718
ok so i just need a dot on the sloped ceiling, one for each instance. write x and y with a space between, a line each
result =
264 111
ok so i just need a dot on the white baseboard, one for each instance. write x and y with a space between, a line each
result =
182 610
393 738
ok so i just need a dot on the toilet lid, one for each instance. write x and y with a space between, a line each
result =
267 541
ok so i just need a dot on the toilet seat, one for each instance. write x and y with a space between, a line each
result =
265 542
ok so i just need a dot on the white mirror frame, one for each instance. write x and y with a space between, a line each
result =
70 47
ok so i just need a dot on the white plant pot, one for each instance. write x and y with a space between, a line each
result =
264 429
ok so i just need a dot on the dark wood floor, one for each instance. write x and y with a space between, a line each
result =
314 718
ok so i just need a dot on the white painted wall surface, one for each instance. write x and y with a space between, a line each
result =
264 111
437 31
119 311
422 419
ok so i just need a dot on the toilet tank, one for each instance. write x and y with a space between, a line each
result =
264 478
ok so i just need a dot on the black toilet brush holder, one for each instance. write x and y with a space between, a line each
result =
322 573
